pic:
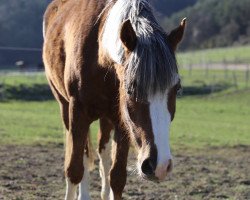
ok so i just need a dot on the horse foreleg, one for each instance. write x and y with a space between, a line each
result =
84 185
104 168
104 153
118 173
70 190
76 139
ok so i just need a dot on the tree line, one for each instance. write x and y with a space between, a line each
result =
211 23
21 26
214 23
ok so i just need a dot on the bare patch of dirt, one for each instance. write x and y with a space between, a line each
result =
36 172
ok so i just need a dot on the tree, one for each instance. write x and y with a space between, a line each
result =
213 23
21 26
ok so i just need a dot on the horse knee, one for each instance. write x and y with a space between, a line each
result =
118 178
74 172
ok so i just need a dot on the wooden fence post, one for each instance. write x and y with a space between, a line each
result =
190 69
247 76
235 80
213 84
225 69
206 70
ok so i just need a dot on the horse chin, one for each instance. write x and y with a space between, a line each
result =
152 178
143 176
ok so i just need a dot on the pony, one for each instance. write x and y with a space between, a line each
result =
110 60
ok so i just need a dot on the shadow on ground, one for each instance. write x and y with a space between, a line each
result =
35 92
42 92
204 90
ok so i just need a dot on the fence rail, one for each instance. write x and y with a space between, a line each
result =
216 75
204 77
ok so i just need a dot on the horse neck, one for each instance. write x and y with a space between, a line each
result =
103 60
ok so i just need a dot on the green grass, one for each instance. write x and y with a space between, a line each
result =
232 79
205 120
31 122
212 121
231 55
199 122
15 78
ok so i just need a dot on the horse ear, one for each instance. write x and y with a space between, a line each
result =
176 35
128 36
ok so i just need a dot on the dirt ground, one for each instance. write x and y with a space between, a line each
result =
36 172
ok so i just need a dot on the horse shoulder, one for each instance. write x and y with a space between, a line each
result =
49 14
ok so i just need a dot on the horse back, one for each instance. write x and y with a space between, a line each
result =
71 43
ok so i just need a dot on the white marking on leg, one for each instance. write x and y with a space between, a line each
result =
161 119
111 195
84 185
104 168
70 190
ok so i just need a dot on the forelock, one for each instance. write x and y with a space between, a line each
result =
151 67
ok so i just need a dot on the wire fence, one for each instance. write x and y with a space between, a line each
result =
216 76
199 76
20 58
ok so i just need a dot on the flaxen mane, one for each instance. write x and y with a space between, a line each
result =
151 67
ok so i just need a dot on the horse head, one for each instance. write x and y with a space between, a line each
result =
149 117
143 56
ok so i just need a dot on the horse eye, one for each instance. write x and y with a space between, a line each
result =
179 91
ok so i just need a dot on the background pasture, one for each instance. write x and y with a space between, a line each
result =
209 113
209 136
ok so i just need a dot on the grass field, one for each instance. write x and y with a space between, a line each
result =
223 81
201 120
209 139
219 55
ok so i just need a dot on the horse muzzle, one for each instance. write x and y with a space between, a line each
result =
153 172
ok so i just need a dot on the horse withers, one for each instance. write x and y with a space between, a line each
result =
111 60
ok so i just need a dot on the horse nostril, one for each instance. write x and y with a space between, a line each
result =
147 167
170 166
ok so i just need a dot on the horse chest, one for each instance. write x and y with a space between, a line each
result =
100 105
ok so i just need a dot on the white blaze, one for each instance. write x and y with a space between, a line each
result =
160 120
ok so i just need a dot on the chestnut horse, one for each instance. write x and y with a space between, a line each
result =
111 60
